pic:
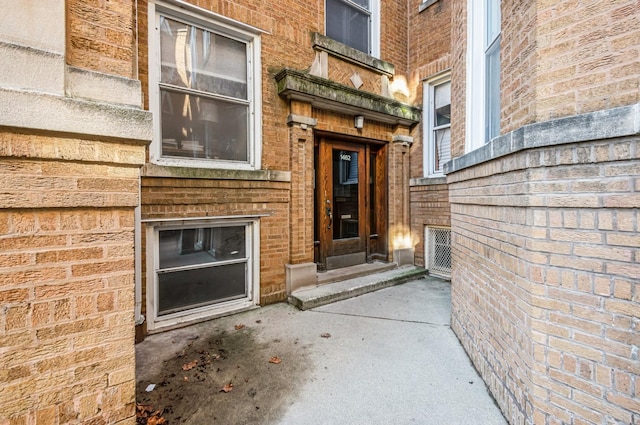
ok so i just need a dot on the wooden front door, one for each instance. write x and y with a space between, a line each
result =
347 183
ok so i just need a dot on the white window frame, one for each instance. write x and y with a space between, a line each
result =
428 109
374 36
476 79
252 243
219 24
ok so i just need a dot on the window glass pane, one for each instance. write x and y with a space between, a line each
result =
345 194
348 24
201 60
186 289
199 127
492 20
363 3
442 103
492 125
187 247
442 148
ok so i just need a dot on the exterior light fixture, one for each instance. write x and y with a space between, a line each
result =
359 121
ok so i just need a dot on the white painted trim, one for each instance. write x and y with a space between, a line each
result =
228 27
196 12
375 28
475 115
252 234
427 111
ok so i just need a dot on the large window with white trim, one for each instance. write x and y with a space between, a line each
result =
483 72
204 87
437 124
199 268
355 23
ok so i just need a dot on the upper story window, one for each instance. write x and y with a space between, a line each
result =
437 121
492 66
204 92
483 72
355 23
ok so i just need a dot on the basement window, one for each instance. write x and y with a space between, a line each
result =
201 269
438 251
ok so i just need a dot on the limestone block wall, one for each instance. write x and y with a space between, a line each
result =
72 141
429 207
67 278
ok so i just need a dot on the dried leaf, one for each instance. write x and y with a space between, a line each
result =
227 388
154 420
275 360
143 410
190 365
325 335
239 326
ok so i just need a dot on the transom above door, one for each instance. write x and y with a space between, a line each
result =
350 213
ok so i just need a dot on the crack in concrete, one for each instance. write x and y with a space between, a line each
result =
446 325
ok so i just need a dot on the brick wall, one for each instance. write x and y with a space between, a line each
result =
588 57
66 279
164 198
429 55
518 62
545 285
545 247
429 207
101 36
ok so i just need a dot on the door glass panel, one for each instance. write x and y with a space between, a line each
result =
345 194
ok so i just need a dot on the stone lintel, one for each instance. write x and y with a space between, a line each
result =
332 96
301 121
402 139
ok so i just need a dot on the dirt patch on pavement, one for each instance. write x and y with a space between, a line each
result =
228 376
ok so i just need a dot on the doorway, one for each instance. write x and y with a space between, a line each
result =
350 202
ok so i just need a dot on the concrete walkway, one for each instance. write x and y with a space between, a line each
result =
391 358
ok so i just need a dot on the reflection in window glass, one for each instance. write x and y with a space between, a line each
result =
439 123
345 194
349 22
201 266
204 95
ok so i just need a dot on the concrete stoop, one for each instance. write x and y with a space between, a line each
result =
308 298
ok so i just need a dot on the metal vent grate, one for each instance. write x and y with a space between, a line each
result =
438 250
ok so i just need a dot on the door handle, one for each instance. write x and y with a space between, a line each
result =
330 215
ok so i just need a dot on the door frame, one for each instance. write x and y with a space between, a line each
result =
372 170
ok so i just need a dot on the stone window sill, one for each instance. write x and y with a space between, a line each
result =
428 181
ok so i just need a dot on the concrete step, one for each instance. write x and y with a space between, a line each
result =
352 272
308 298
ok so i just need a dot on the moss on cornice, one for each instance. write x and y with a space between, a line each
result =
329 95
